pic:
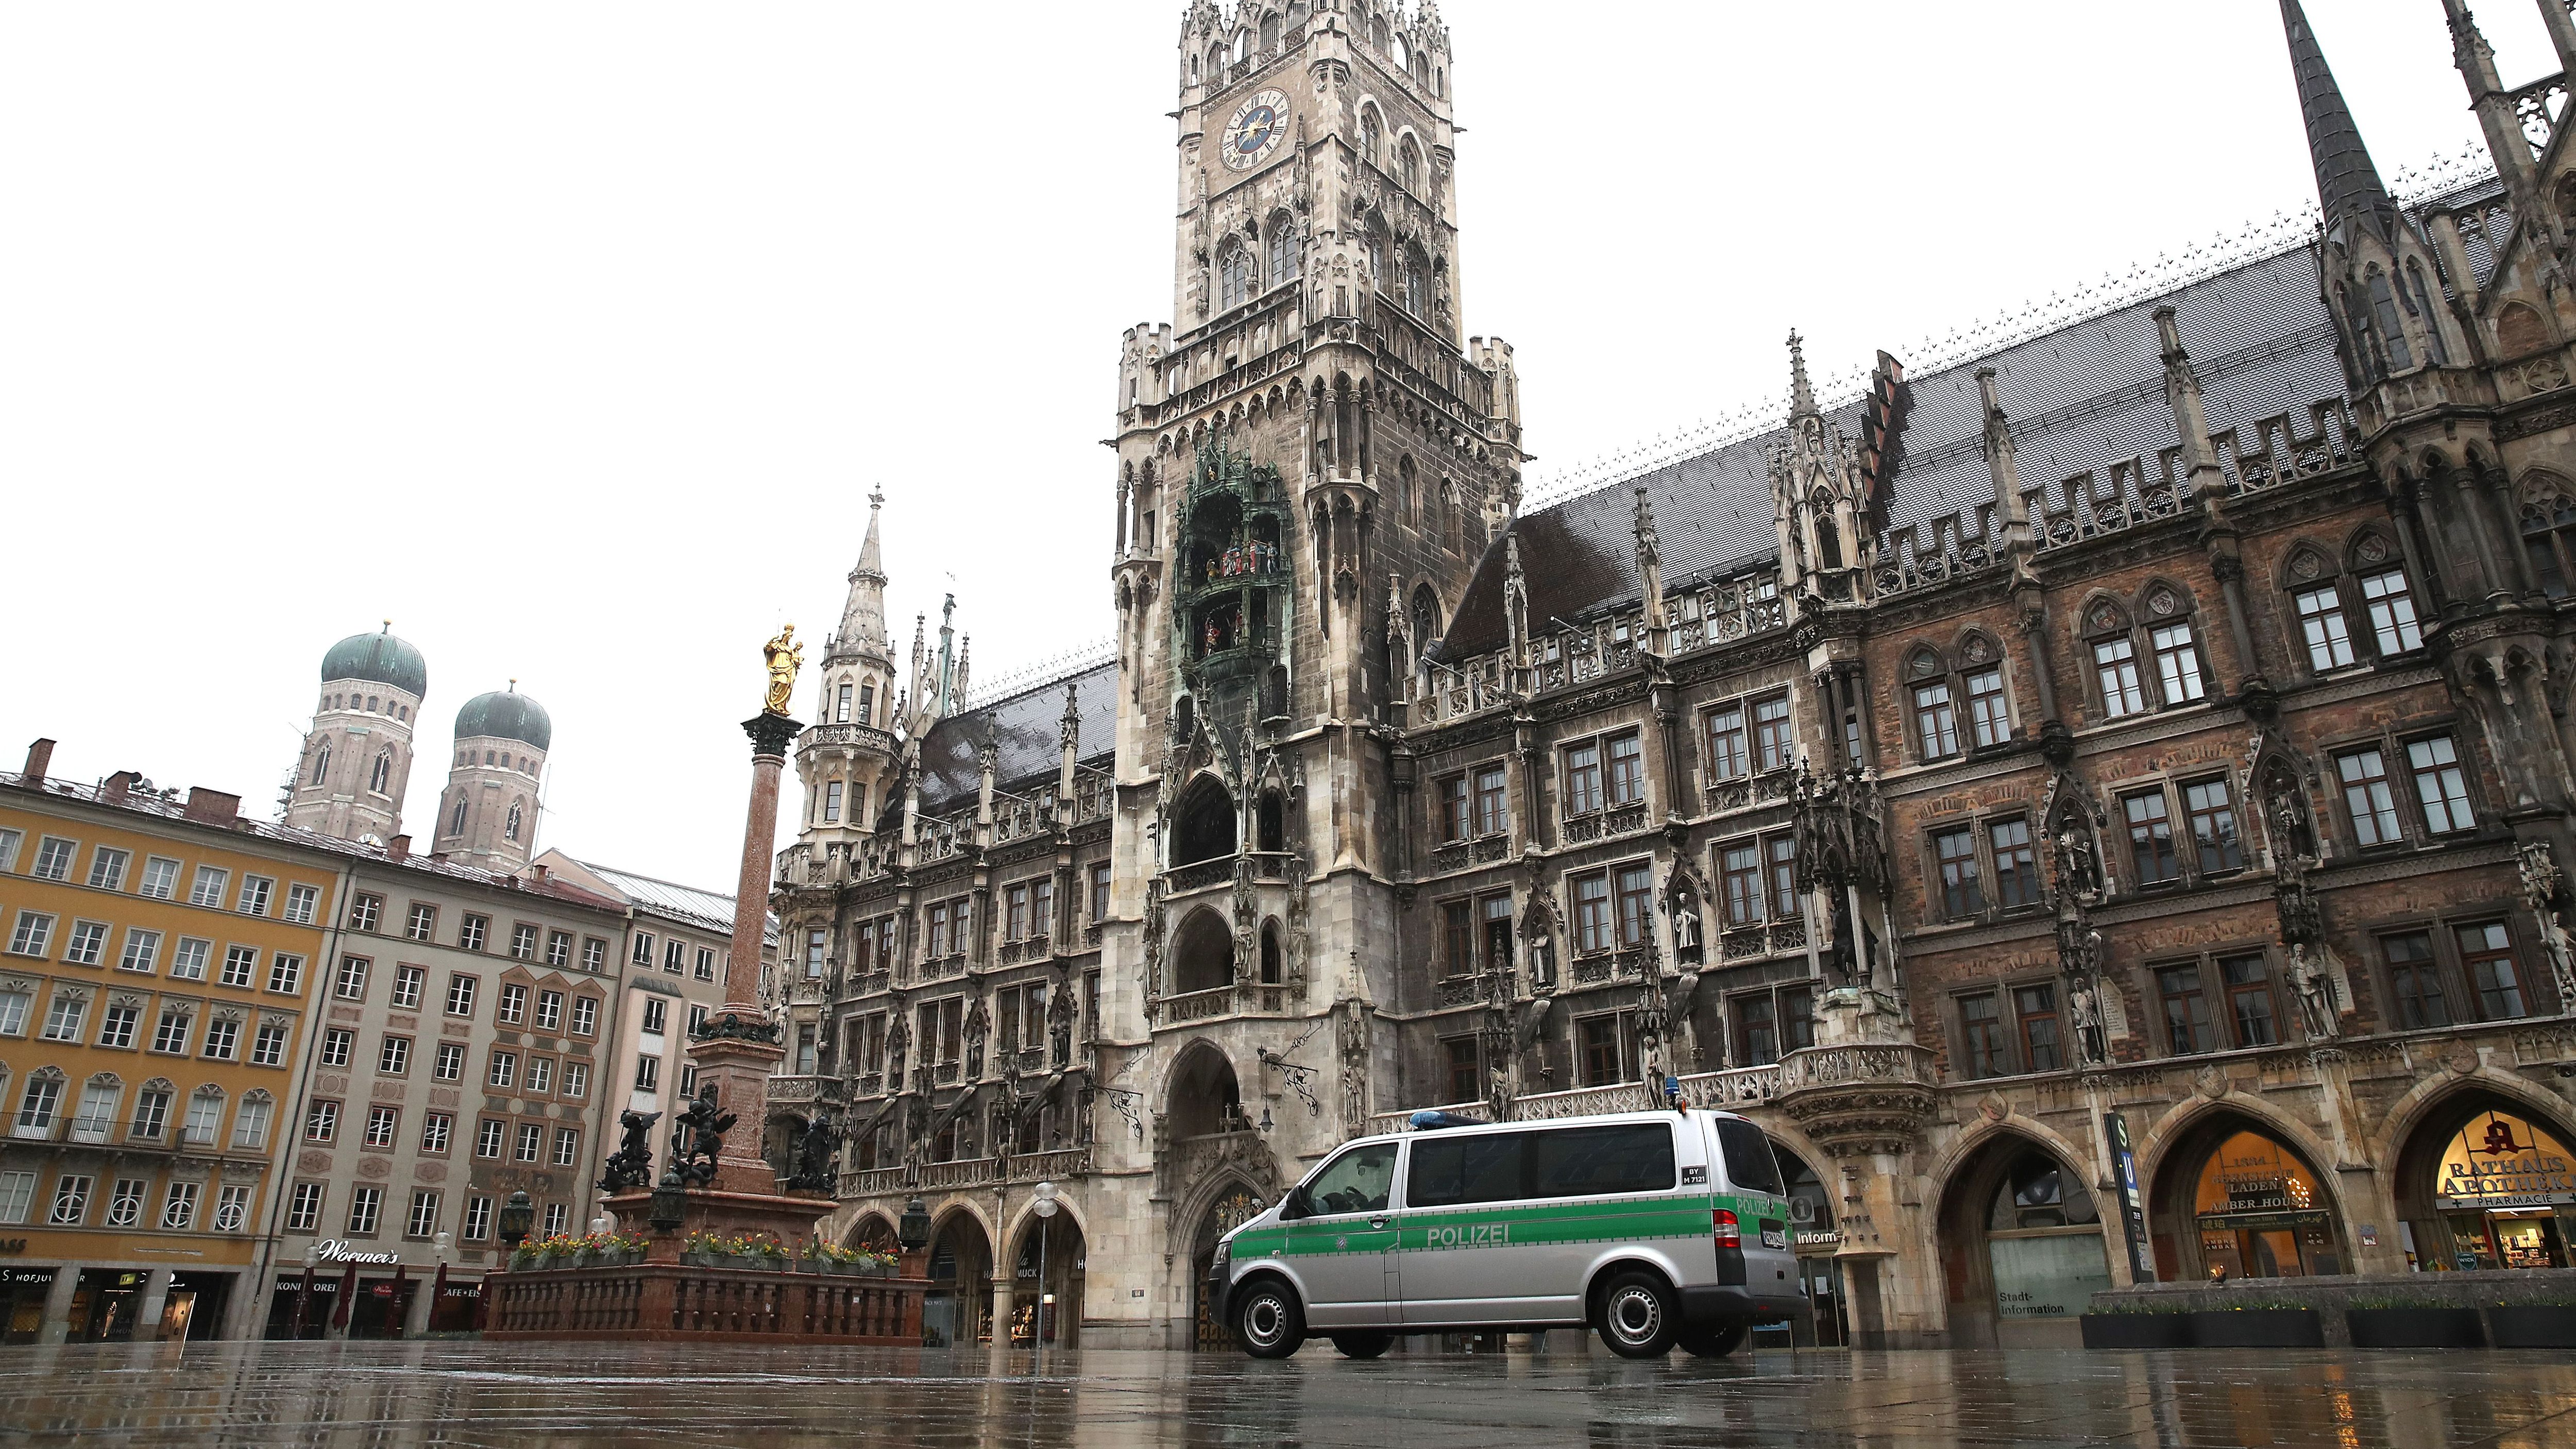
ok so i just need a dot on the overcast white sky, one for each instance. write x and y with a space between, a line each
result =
571 337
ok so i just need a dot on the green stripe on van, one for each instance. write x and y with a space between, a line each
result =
1479 1225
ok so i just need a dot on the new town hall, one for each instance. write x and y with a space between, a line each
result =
2144 744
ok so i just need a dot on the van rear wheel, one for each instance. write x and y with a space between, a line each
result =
1363 1345
1636 1316
1715 1342
1268 1322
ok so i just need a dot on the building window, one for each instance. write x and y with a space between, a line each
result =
188 963
556 1217
1783 850
1636 904
576 1080
116 1029
366 1204
1989 713
1757 1031
643 955
2115 668
322 1121
471 931
1936 724
1458 936
2151 846
2392 612
532 1143
567 1146
2249 1000
2486 955
1774 742
1962 895
675 955
393 1059
35 931
648 1074
423 921
207 890
523 942
268 1048
151 1114
364 911
541 1075
585 1015
1592 913
1740 871
160 879
1466 1073
302 903
550 1006
488 1136
1493 803
832 802
179 1206
1627 769
223 1037
2186 1010
1981 1035
594 954
2321 623
1583 779
2016 864
2213 826
451 1061
2177 662
1726 752
434 1131
63 1022
107 868
351 984
304 1207
336 1042
381 1125
460 994
1597 1041
2366 795
232 1207
505 1070
657 1016
88 942
424 1214
478 1219
250 1124
2415 984
2035 1008
2441 785
255 892
514 1004
1099 891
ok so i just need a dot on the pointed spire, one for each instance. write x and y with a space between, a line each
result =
2348 185
1802 398
863 627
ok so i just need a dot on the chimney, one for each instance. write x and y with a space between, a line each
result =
40 758
119 786
398 849
213 807
539 871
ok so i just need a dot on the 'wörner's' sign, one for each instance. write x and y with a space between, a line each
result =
337 1250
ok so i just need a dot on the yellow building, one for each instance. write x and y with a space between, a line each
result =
157 961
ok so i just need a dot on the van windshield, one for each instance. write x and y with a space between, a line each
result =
1749 1163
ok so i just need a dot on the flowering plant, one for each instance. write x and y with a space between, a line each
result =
817 1250
734 1245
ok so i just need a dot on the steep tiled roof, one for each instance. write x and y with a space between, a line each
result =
2080 397
1023 727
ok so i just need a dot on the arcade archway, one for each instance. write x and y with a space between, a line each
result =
2021 1244
1047 1270
2486 1182
2232 1194
1204 1099
958 1309
1235 1204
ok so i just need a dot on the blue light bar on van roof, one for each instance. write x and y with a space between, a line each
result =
1433 1121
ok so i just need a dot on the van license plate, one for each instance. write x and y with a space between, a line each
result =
1775 1237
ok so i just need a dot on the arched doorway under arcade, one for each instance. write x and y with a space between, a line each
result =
2487 1182
2232 1195
2022 1250
1815 1236
1048 1266
1235 1203
958 1309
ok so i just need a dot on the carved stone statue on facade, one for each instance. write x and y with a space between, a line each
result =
2544 889
784 657
1686 944
1355 1069
2287 816
2079 868
631 1165
1842 954
2316 992
1060 1026
2086 1012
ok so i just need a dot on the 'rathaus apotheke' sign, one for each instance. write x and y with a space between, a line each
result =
2503 1163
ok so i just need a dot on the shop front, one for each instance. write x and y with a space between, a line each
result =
300 1305
22 1302
195 1304
2257 1213
2504 1196
105 1304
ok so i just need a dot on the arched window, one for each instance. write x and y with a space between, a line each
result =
2383 310
2423 306
1935 713
1417 283
511 828
1404 490
2316 598
2386 597
2116 681
205 1116
1379 35
1270 33
1243 44
321 764
250 1123
2549 531
1270 973
2180 670
1408 165
1370 131
1283 249
381 776
1234 275
1216 65
456 821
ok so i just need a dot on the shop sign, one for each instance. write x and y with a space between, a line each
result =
1819 1237
13 1245
2265 1222
2133 1203
337 1250
294 1283
2501 1161
462 1290
26 1277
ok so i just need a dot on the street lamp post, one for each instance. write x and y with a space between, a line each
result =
1045 1208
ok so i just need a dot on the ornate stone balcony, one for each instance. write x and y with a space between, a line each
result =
1626 964
815 1088
1058 1165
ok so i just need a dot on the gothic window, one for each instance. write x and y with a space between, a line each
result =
2316 596
1270 33
2386 599
1989 708
1404 495
1417 283
1408 165
1936 720
2423 307
2383 310
1216 65
1426 616
1370 131
511 828
382 775
456 821
2115 661
1283 249
1234 275
2549 532
2178 663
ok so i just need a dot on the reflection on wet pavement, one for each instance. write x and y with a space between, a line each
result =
472 1394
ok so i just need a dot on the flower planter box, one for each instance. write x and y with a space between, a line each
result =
2415 1328
2533 1325
856 1270
2257 1328
2137 1330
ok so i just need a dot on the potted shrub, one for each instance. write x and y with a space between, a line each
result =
2257 1324
2533 1325
2137 1327
2413 1323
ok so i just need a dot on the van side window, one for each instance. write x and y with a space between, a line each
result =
1749 1162
1355 1182
1583 1161
1453 1170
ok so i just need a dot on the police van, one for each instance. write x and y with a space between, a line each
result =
1656 1228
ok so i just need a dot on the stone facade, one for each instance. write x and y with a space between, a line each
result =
2133 754
356 764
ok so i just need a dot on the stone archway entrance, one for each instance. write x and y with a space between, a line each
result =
2487 1183
2022 1251
1049 1263
2232 1195
1815 1237
1235 1204
958 1309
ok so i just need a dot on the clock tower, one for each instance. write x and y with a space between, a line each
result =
1312 458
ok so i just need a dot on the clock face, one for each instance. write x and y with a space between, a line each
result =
1259 125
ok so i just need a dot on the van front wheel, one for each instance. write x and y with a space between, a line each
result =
1636 1316
1267 1321
1715 1342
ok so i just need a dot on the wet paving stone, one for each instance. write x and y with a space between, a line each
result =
474 1394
